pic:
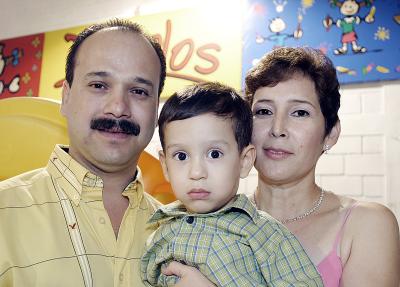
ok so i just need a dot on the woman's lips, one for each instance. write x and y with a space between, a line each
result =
198 193
277 154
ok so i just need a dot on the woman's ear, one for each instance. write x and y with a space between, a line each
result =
332 138
247 158
161 157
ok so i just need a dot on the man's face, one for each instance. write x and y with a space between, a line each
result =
111 106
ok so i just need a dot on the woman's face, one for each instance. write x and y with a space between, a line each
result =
288 130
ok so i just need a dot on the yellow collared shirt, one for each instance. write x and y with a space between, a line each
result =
37 235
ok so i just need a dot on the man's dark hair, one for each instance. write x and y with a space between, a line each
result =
282 64
121 25
214 98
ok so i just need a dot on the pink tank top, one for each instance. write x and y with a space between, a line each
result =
330 267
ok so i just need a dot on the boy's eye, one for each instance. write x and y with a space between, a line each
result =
180 156
214 154
300 113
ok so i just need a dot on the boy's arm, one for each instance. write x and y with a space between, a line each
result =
282 259
188 275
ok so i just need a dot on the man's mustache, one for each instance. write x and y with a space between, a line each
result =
115 126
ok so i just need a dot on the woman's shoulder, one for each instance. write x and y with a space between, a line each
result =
369 223
360 219
364 214
370 243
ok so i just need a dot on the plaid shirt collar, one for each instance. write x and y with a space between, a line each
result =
77 180
176 209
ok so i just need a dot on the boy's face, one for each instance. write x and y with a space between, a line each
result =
202 162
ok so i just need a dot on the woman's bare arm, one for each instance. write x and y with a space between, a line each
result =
374 254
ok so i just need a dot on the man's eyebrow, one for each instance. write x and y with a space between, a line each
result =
139 80
144 81
97 74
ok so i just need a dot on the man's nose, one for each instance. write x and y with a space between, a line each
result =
117 104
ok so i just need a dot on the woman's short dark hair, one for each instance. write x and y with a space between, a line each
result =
281 64
119 24
211 97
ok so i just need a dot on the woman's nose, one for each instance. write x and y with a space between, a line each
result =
278 128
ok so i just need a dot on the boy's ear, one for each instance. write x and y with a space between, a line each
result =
161 157
247 158
332 138
66 91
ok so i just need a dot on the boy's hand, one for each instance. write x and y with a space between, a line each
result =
189 276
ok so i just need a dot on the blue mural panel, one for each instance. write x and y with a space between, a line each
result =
361 37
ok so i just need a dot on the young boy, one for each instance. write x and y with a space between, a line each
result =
205 133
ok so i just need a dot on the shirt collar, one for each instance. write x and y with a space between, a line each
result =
176 209
75 179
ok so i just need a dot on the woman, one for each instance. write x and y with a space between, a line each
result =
294 95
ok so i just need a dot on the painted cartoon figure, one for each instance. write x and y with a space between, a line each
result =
277 26
349 9
12 86
12 59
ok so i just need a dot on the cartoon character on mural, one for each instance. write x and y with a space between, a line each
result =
277 26
13 59
349 9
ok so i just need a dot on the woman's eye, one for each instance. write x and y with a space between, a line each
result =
262 112
301 113
180 156
214 154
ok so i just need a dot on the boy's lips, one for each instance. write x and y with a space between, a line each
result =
198 193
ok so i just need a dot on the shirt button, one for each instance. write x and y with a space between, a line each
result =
121 277
102 220
190 219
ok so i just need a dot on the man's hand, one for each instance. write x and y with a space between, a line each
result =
188 275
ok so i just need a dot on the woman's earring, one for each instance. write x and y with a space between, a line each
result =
326 148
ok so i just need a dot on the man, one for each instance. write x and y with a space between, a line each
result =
81 220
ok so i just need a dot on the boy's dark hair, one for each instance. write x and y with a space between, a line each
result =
121 25
214 98
283 63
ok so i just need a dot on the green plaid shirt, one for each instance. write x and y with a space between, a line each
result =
234 246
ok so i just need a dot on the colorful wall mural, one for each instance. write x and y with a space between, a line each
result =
362 37
202 51
20 66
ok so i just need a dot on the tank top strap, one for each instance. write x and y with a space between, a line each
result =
340 232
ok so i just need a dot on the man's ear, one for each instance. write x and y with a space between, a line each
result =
332 138
247 158
161 157
66 93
